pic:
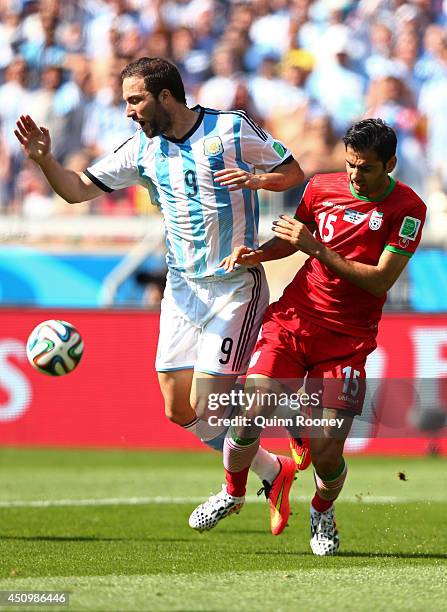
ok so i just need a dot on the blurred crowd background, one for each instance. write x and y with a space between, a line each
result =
304 69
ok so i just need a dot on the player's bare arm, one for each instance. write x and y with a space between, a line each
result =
284 177
377 279
36 144
274 248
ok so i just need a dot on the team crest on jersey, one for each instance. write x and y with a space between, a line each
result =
409 228
213 146
375 220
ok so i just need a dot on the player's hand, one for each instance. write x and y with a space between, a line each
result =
296 234
235 178
241 255
35 141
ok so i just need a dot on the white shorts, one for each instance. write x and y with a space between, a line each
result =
211 324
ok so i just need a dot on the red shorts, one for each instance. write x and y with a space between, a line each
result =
334 363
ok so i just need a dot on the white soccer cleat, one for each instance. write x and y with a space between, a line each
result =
207 515
324 539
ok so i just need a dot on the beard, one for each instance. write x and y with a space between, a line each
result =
159 124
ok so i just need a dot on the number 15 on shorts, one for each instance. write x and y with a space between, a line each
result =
351 383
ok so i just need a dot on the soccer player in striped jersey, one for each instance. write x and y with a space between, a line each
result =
199 166
359 228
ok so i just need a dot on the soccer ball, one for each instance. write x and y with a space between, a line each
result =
54 347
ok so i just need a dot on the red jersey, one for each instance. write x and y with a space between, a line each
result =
359 229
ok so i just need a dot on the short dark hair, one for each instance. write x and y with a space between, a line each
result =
158 74
372 134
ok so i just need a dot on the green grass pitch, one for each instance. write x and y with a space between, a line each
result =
112 529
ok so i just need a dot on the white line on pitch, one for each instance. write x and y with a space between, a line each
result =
141 501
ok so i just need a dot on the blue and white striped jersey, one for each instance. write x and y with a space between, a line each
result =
204 221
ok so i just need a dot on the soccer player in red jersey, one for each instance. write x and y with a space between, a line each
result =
359 229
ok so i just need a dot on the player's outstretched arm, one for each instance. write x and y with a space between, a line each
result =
284 177
36 144
244 256
376 280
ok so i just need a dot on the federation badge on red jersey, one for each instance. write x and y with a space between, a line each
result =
375 220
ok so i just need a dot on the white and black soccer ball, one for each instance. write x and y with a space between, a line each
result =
54 347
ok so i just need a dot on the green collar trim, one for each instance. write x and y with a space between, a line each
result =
386 193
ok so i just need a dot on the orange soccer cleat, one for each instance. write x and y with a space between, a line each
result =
277 494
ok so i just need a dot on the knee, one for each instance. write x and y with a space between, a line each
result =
175 388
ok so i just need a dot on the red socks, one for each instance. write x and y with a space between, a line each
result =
237 482
321 505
